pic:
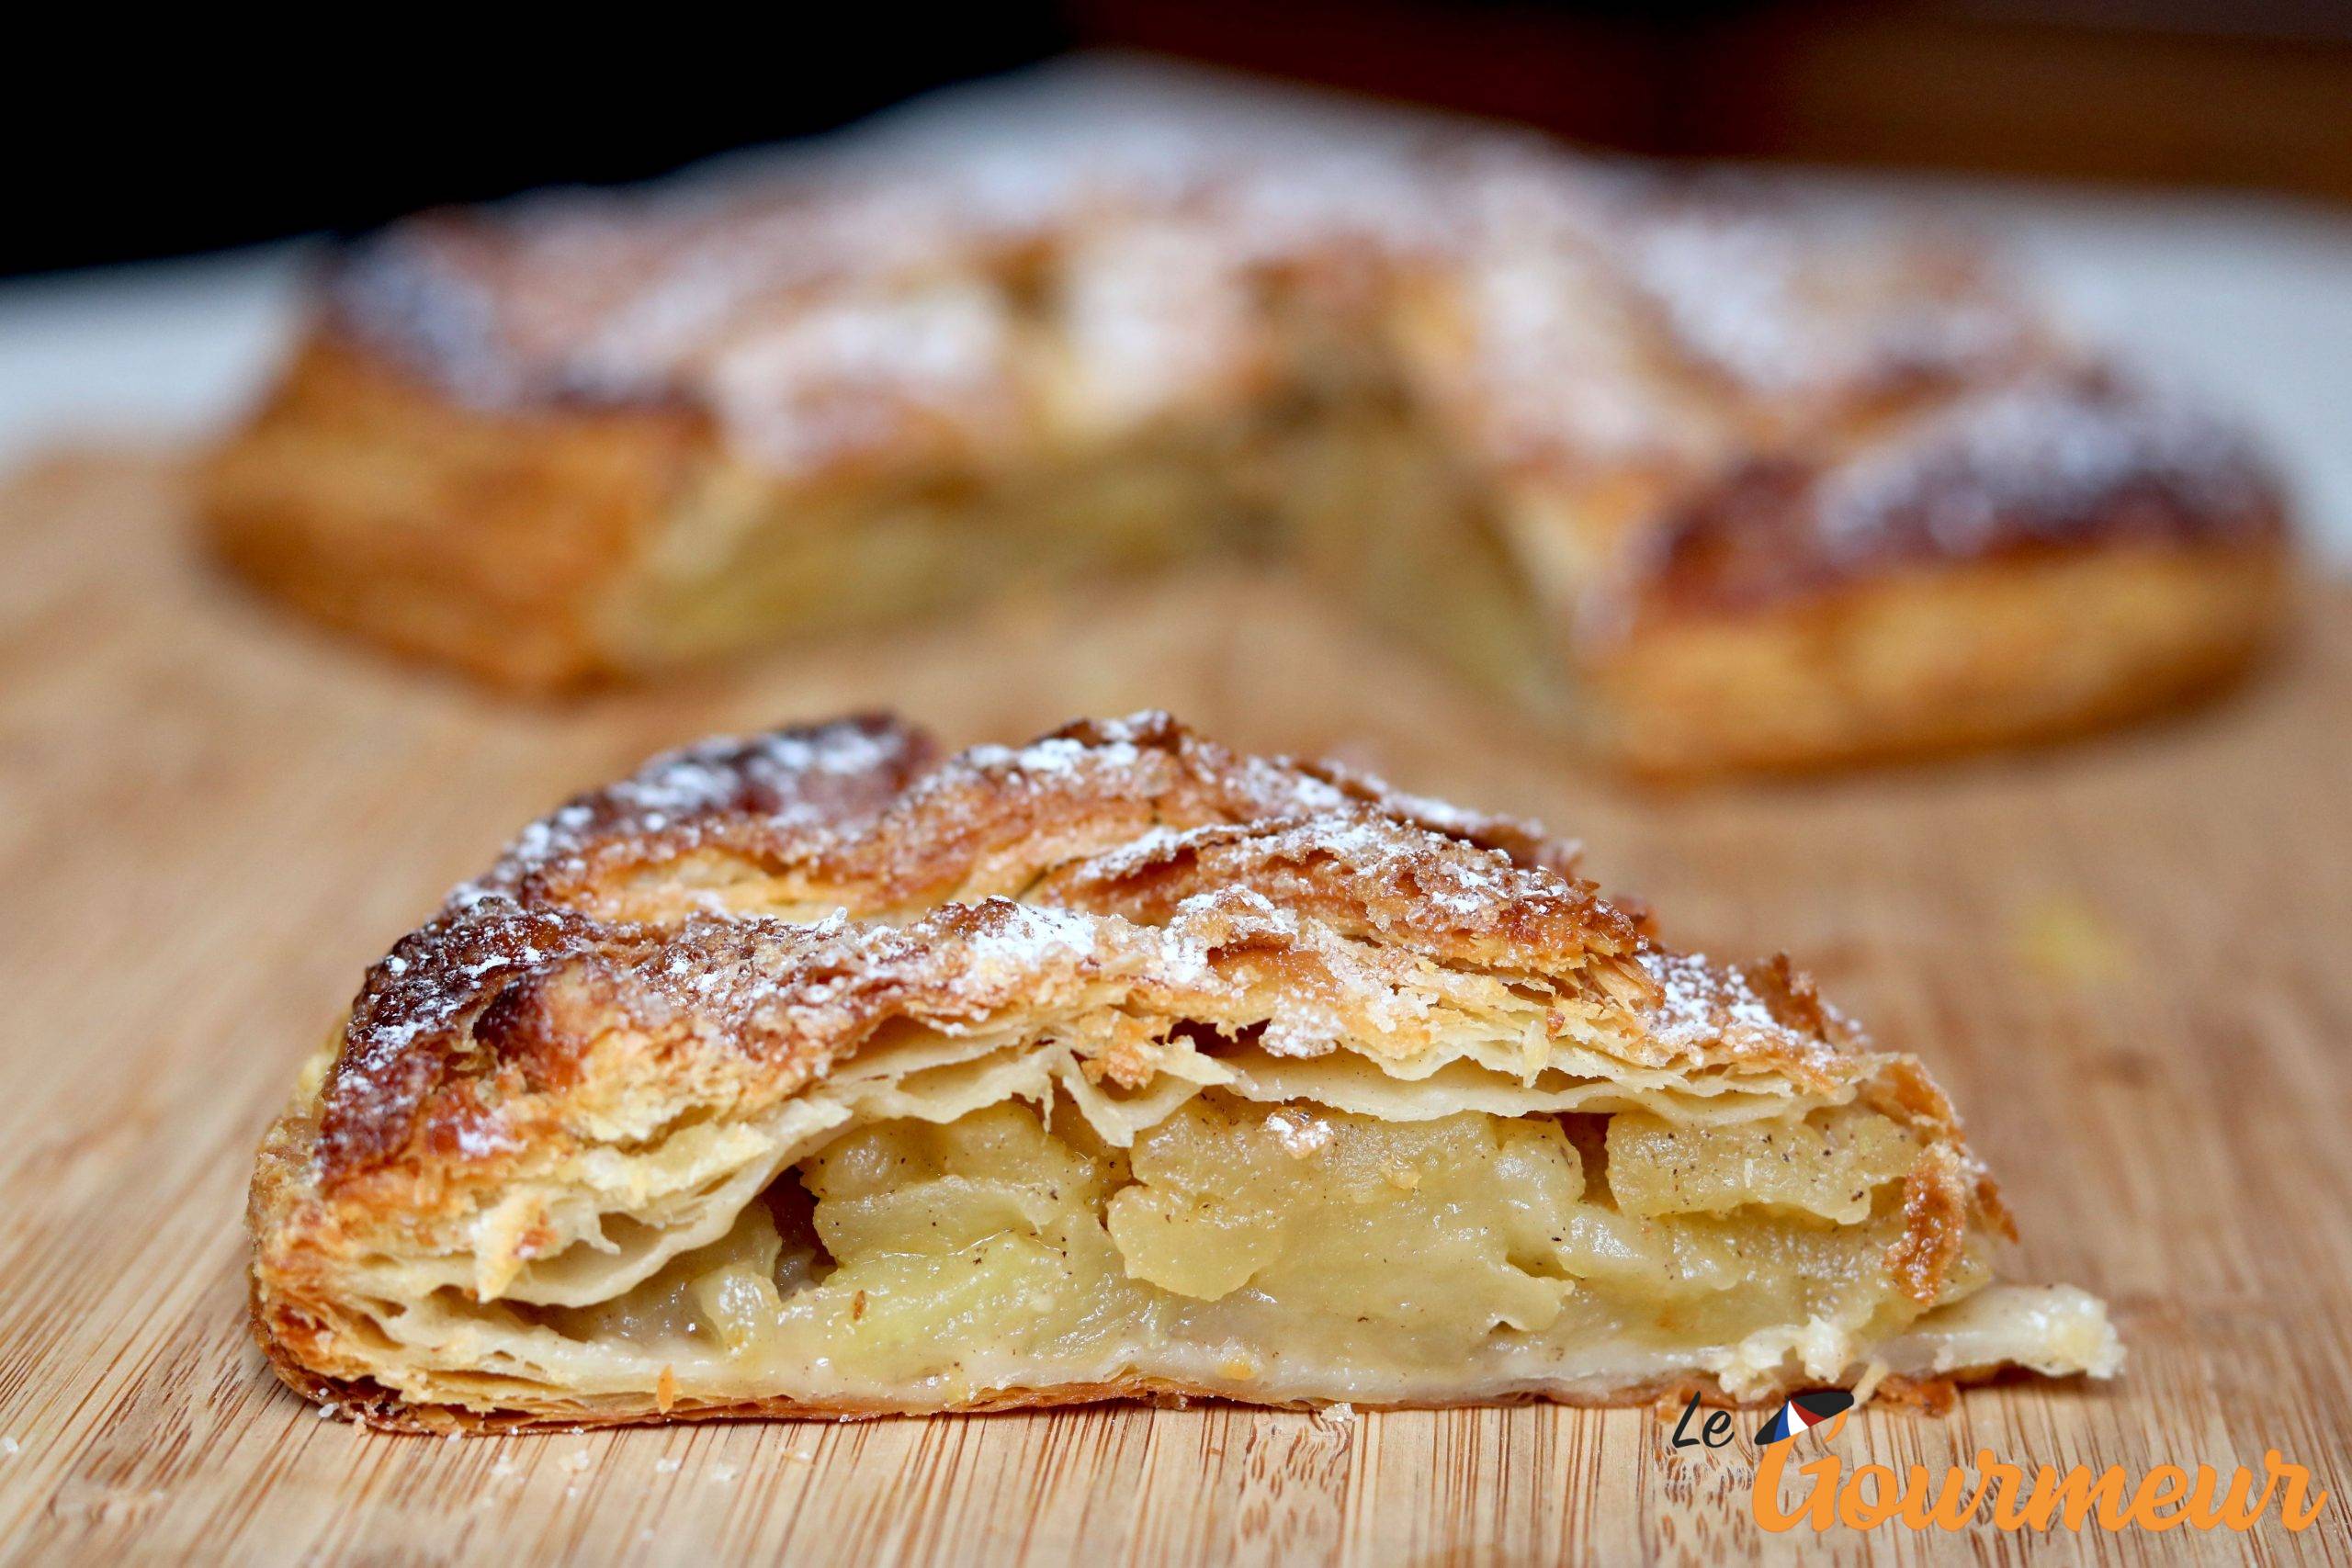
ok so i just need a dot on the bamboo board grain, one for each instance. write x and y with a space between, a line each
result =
2127 959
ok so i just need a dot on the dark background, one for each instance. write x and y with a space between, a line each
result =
208 141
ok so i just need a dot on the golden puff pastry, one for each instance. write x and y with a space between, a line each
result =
1704 486
808 1075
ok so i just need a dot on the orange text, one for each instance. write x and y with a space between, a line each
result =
2014 1497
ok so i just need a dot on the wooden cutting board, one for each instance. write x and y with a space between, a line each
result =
2129 960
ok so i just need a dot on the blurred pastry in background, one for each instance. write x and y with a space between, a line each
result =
1711 487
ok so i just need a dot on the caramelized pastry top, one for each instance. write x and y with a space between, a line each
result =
743 916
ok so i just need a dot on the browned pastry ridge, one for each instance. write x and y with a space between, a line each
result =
810 1074
1709 488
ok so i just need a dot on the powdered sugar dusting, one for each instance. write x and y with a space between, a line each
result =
1793 314
1700 1003
1708 1011
1462 882
1075 282
2044 458
812 779
1024 940
839 380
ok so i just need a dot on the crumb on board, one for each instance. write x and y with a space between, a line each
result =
2065 940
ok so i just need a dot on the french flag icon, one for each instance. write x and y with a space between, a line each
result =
1803 1411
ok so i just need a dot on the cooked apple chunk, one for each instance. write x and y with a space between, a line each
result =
1828 1164
1448 1223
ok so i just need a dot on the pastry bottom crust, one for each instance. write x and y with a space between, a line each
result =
386 1411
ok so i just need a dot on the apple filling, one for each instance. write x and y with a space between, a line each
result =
1291 1251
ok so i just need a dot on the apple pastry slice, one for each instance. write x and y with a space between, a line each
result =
808 1075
